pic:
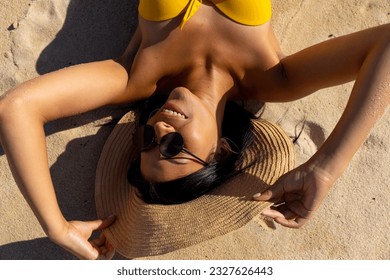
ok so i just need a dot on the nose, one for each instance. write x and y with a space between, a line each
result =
162 128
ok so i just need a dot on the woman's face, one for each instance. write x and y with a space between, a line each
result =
195 120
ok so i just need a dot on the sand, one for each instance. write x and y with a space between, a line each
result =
43 35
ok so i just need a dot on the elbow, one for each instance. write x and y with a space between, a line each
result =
4 108
15 107
9 107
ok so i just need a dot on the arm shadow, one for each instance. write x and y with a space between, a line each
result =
93 30
38 249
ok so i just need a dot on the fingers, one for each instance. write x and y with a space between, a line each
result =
100 247
107 222
273 195
104 248
105 251
281 218
102 223
283 185
267 195
296 223
286 217
77 239
107 256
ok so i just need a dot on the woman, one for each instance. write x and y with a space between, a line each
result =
186 49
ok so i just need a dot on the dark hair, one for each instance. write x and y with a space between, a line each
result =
236 127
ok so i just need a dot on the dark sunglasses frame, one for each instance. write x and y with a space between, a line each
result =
171 144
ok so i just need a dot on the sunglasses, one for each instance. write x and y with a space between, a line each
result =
171 144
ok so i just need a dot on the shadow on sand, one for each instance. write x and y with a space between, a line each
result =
93 30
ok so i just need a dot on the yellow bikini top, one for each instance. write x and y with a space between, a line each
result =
248 12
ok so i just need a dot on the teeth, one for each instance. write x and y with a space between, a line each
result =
174 113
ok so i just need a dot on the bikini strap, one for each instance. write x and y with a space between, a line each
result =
193 7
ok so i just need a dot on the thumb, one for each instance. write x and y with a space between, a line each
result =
102 223
273 194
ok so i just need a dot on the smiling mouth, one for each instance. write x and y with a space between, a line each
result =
174 113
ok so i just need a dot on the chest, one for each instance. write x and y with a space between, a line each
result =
168 55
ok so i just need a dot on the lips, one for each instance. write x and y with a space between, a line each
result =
174 113
170 109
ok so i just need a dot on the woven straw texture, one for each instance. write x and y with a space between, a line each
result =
144 229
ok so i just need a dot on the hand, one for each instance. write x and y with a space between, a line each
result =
297 194
75 239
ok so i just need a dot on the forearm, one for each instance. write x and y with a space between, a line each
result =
369 99
23 141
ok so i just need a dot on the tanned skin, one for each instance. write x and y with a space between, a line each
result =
195 64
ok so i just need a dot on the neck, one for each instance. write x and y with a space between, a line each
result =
213 86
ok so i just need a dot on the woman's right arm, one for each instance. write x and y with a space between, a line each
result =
23 113
362 56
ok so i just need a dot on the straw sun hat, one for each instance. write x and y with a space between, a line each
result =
149 229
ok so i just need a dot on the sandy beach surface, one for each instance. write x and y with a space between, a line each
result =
39 36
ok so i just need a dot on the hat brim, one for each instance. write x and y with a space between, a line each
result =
143 229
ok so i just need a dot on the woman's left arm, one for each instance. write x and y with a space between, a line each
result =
363 56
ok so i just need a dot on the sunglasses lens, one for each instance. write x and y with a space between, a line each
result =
148 140
171 144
